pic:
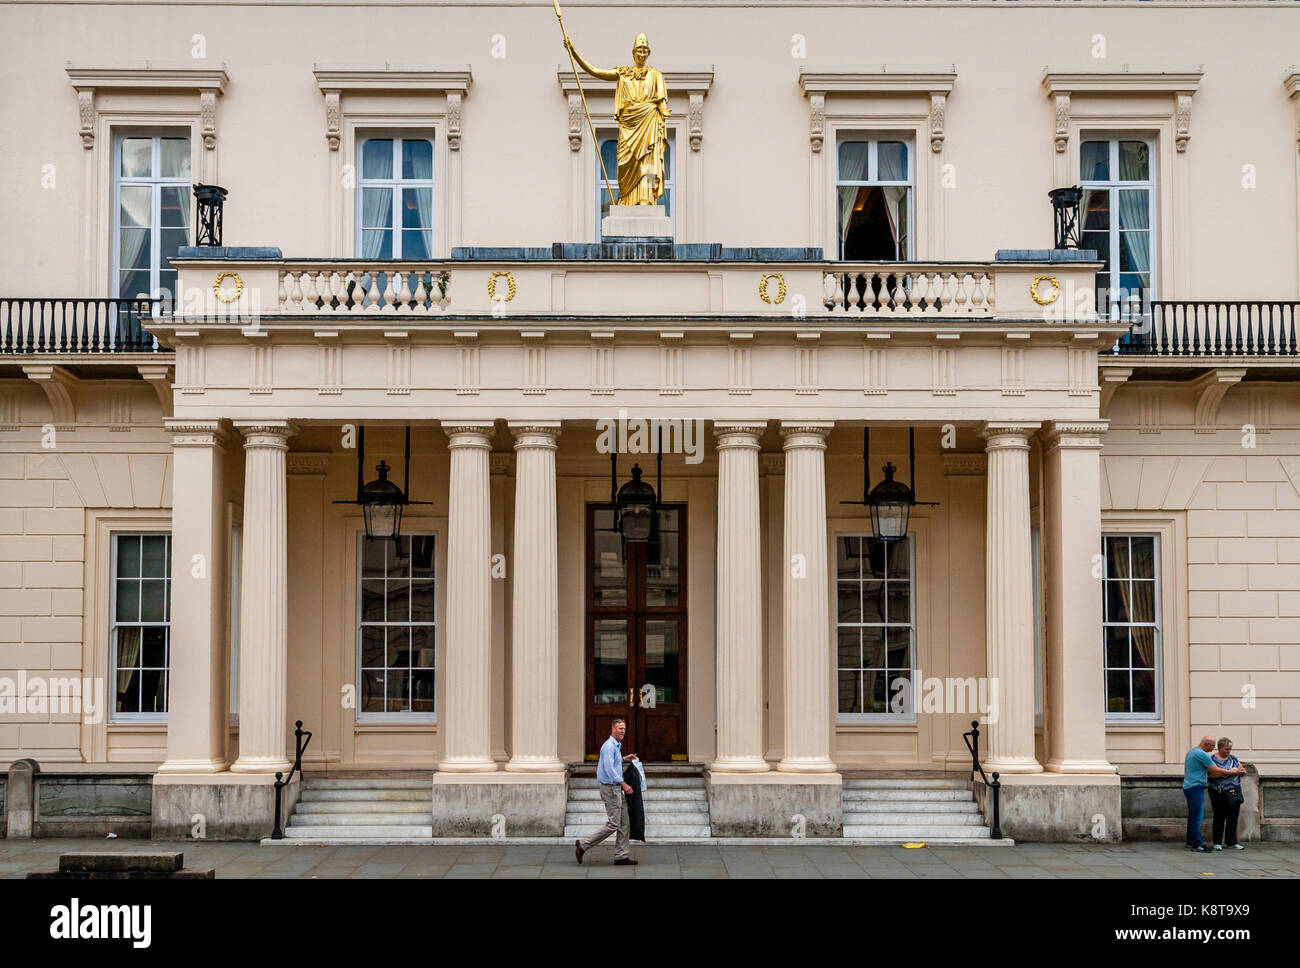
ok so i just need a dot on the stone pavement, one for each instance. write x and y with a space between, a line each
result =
1052 861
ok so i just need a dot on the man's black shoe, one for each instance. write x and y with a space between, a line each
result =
623 861
577 850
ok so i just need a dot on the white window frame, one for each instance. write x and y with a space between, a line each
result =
111 692
670 174
1157 716
363 717
395 185
1113 185
157 183
889 718
873 139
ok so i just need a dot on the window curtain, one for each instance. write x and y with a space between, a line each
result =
422 168
1136 236
853 157
128 655
374 203
894 168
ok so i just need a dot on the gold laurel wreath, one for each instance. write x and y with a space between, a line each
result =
492 286
780 288
1056 289
222 277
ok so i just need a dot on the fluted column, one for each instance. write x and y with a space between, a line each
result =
1076 679
535 626
197 729
740 602
466 718
263 612
1010 599
807 647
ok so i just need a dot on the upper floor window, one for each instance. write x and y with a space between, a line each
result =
151 212
140 635
873 184
1131 626
875 626
396 630
395 203
1118 215
609 154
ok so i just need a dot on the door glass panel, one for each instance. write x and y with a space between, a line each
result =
661 660
609 581
662 568
609 664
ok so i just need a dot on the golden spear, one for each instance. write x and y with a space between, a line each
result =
609 185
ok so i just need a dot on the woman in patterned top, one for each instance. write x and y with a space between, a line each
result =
1226 797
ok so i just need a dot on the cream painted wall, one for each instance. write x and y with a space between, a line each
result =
271 151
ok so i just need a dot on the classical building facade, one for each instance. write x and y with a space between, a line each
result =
1102 432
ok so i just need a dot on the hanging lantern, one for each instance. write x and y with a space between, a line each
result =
381 503
891 504
636 503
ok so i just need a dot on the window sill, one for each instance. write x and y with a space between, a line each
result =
370 726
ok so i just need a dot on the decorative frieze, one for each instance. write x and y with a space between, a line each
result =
399 363
740 364
534 362
875 375
1013 372
1148 411
602 364
672 364
261 378
467 363
1083 372
191 361
943 371
331 364
806 360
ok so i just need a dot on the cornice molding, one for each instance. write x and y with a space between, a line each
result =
391 78
878 80
1128 80
688 80
206 82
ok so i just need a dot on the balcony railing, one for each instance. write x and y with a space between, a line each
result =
1209 328
78 325
903 289
388 287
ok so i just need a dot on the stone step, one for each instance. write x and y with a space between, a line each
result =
651 793
424 794
589 809
651 820
919 819
358 819
367 783
917 806
576 831
326 832
912 833
422 805
912 794
652 783
931 783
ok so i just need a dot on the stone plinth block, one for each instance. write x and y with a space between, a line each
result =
499 804
231 806
776 805
1047 808
636 222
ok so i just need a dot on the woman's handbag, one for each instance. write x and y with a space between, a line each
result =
1233 795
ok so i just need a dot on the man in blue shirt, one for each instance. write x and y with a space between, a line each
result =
1198 768
609 773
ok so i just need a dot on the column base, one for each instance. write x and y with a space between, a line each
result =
1013 764
499 805
746 764
1079 766
194 766
260 764
538 765
775 805
468 765
805 766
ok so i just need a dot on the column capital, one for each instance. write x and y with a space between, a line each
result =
469 433
1008 435
268 434
965 465
534 433
738 433
197 433
1074 434
805 433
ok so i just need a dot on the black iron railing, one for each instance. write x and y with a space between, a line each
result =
972 738
79 325
1210 328
281 782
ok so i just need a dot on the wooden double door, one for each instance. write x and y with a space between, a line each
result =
636 635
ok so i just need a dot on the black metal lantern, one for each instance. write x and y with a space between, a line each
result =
209 201
890 502
382 500
636 504
1065 207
